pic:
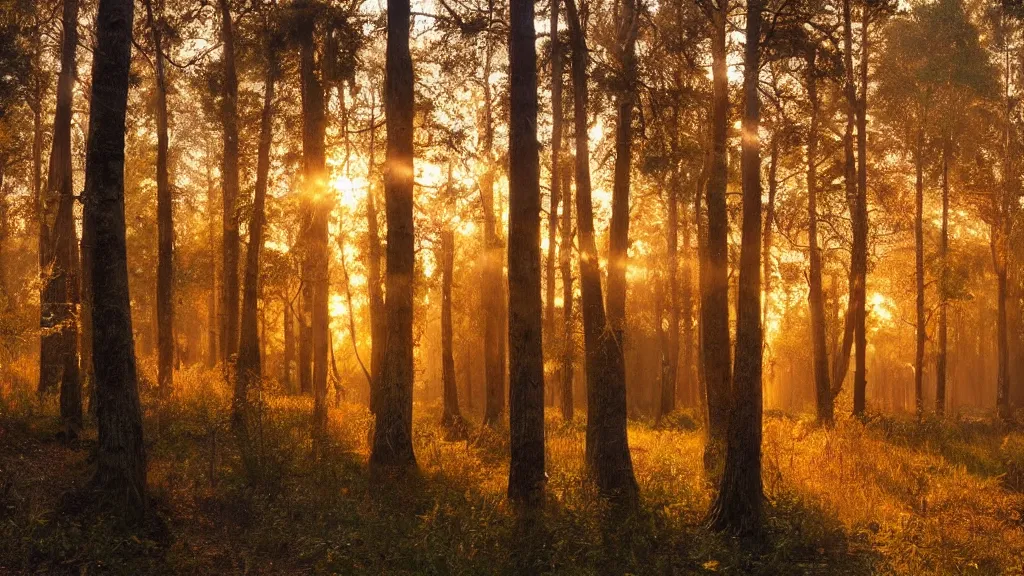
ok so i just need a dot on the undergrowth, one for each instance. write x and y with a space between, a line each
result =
889 496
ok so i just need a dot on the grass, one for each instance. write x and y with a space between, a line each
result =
889 496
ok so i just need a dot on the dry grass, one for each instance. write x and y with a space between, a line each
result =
890 496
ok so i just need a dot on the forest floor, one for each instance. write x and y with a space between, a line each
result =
890 496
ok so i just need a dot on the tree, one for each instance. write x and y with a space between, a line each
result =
165 219
392 438
230 187
526 355
248 368
714 307
738 508
607 448
58 354
120 452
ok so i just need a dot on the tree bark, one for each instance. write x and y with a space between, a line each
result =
58 359
607 448
670 354
392 440
525 336
921 320
493 285
715 294
940 361
378 319
289 345
557 70
229 177
816 299
120 453
248 368
859 259
316 216
452 417
568 296
618 233
739 505
165 222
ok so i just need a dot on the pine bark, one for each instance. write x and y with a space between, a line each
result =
248 368
715 282
568 297
120 452
525 335
607 449
557 70
58 360
618 252
378 319
165 221
452 416
392 440
739 505
941 353
816 299
230 187
921 330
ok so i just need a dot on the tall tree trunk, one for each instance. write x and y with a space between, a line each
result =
607 448
165 222
120 452
859 259
841 364
921 324
316 216
289 345
212 318
715 282
229 177
628 24
378 319
556 175
526 475
493 286
452 417
565 263
670 354
940 361
822 388
685 314
248 368
769 219
739 505
58 359
392 439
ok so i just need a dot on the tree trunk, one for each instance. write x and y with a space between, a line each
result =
556 175
526 352
493 286
289 345
392 439
618 233
165 222
607 448
378 319
739 505
684 316
859 259
316 215
670 354
769 219
58 359
940 361
565 263
816 299
715 295
452 418
120 452
248 368
921 327
212 319
229 177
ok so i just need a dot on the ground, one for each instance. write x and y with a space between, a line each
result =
889 496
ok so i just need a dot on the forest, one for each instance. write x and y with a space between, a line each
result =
512 287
